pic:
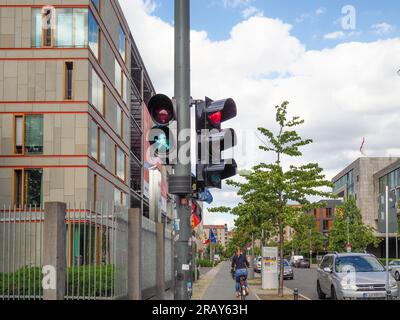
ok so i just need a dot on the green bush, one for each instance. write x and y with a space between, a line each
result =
205 263
14 284
383 260
24 282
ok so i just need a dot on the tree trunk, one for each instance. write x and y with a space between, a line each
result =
281 265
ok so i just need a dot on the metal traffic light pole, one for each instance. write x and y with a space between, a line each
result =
182 170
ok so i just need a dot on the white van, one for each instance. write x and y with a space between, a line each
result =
295 259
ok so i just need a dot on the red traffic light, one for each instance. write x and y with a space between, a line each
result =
215 118
161 109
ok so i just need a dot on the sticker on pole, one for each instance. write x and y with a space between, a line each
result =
185 267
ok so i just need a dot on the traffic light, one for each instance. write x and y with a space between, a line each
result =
162 136
212 140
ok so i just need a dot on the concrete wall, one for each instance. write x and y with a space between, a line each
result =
168 256
148 258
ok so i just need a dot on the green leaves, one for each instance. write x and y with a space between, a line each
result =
348 224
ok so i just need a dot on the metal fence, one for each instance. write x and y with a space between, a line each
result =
21 257
96 252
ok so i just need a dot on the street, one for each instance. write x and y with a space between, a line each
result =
306 281
223 286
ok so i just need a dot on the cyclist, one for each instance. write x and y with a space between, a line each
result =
240 264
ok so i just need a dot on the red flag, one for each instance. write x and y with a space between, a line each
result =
195 220
362 147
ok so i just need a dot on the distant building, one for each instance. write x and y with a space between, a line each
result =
325 216
220 232
365 179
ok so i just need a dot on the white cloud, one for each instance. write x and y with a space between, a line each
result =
320 11
334 35
344 93
236 3
252 11
383 28
311 16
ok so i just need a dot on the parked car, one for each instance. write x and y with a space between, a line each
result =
303 264
258 264
294 259
353 276
395 269
288 270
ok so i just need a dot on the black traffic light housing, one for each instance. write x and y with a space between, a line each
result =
211 169
162 136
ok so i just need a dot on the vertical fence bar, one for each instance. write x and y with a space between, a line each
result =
108 265
42 217
101 246
19 251
9 253
79 247
68 235
90 247
35 223
4 251
73 250
95 250
84 262
30 254
13 250
114 248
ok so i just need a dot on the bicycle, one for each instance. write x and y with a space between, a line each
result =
242 282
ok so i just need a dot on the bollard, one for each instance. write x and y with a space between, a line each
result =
296 294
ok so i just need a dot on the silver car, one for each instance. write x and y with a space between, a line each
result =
394 267
353 276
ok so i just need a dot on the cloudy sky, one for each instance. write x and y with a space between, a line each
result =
335 63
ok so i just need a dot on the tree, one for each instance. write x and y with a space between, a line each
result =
307 237
269 187
348 226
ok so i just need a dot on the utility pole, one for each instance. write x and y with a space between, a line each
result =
182 170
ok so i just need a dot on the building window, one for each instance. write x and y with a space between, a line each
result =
93 140
29 134
19 134
28 188
124 88
102 147
94 36
120 163
94 191
48 26
62 27
69 68
98 93
97 4
120 122
118 77
329 213
325 225
122 43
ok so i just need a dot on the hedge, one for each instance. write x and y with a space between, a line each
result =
33 281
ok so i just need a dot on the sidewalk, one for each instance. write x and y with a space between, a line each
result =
255 287
201 285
